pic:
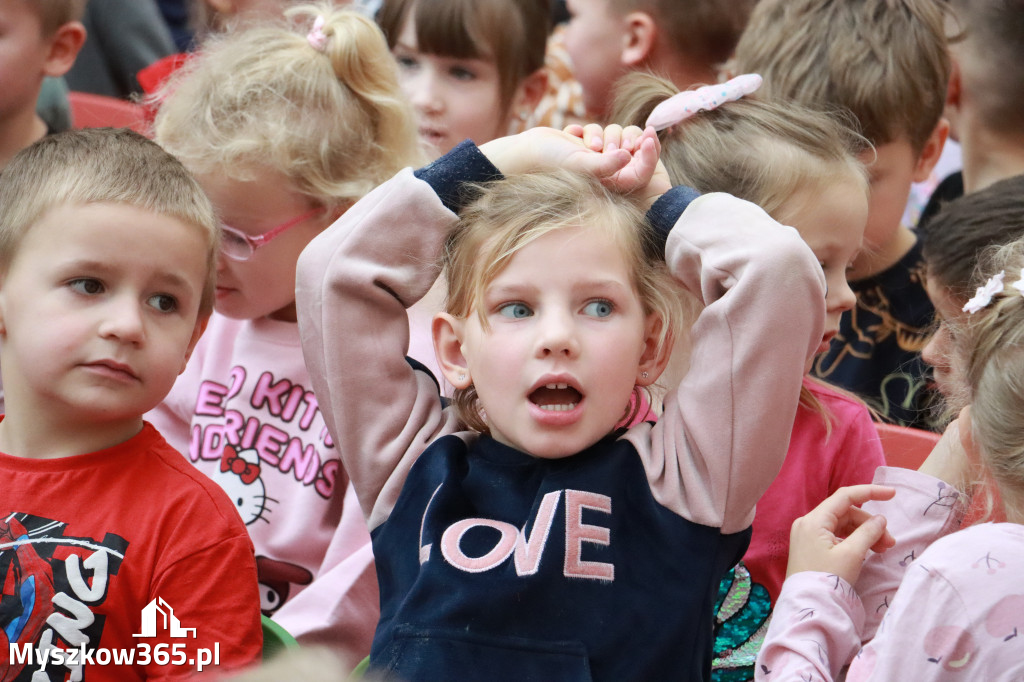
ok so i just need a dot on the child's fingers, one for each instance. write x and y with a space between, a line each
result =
857 517
599 165
872 533
613 138
631 138
838 503
647 154
593 136
574 129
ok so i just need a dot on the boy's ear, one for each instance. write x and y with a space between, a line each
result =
447 332
639 39
954 95
197 332
653 360
931 151
64 46
529 93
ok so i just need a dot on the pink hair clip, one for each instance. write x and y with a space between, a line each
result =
683 105
316 36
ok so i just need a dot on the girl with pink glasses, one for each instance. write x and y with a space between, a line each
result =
285 126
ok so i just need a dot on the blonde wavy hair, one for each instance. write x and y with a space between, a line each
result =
515 211
333 122
990 348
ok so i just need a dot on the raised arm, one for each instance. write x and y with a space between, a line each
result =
726 427
354 283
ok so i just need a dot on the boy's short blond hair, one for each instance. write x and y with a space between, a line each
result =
885 62
55 13
705 30
101 166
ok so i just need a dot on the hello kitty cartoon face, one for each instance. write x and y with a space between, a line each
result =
239 477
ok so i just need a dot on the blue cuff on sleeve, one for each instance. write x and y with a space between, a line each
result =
465 163
667 209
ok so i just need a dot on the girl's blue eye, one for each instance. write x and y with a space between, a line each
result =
165 303
406 62
462 74
87 286
598 309
515 310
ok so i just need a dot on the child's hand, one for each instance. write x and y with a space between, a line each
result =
546 148
644 174
835 537
951 458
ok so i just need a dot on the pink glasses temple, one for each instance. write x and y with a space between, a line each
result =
260 240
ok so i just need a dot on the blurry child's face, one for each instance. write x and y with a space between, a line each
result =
567 339
98 313
832 223
23 53
264 285
891 171
939 351
594 40
454 98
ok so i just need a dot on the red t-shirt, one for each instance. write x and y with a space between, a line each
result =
128 549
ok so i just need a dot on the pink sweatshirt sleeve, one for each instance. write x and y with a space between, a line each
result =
354 283
956 616
725 429
927 509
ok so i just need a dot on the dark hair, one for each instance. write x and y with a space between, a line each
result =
967 227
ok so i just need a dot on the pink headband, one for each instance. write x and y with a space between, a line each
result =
316 36
683 105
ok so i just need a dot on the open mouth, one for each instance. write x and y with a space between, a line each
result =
556 397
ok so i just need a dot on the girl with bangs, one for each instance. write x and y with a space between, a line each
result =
469 67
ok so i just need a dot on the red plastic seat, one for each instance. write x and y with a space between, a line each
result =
904 446
97 111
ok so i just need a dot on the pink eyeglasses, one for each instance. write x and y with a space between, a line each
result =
239 246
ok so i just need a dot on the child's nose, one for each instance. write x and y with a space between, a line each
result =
934 352
425 91
123 320
557 336
840 297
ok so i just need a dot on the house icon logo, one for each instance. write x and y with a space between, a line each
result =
167 618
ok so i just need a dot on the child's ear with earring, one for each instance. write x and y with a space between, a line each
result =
447 331
528 95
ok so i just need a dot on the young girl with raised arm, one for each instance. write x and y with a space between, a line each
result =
518 533
285 127
469 67
957 612
801 167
